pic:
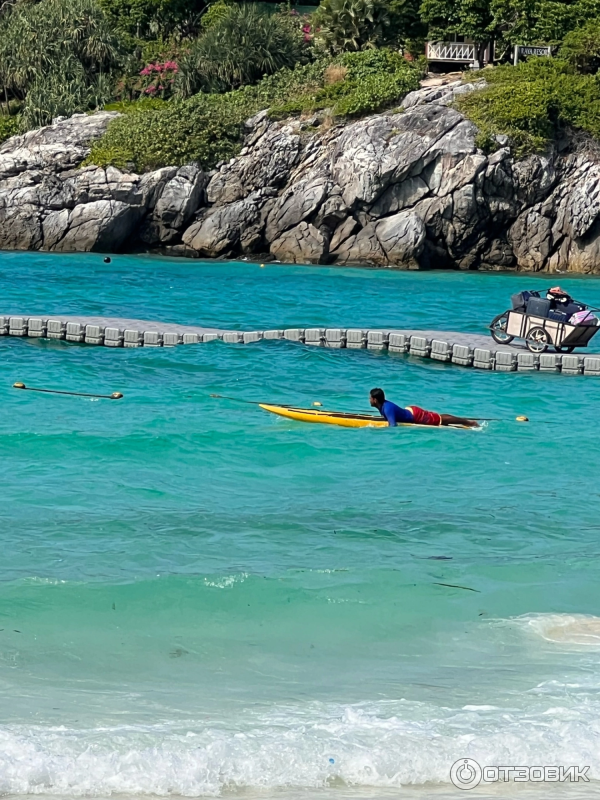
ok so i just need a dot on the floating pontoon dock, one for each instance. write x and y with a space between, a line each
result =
466 349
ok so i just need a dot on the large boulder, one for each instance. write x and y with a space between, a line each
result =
178 202
266 163
103 225
394 241
47 202
296 204
303 244
530 238
380 150
55 148
221 230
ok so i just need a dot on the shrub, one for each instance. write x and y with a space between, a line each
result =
35 38
215 13
373 80
158 78
61 93
581 47
209 127
531 102
240 47
9 126
198 130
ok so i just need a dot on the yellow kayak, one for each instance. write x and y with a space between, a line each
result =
342 418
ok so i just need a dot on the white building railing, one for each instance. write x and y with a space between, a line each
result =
451 51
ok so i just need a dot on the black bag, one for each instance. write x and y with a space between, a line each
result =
538 306
572 308
519 301
558 315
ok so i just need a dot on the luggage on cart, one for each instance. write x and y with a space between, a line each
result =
541 321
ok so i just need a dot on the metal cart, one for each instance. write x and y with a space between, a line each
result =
541 332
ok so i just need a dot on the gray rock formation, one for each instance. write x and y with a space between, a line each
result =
180 199
393 241
47 203
408 190
234 227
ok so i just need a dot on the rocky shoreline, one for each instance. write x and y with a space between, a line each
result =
408 190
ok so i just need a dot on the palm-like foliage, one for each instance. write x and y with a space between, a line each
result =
239 48
53 53
352 24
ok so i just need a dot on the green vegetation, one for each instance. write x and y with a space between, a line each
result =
350 25
240 46
9 126
55 55
139 21
208 128
539 21
355 84
187 73
581 47
472 19
530 103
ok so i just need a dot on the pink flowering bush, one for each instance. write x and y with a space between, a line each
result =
158 79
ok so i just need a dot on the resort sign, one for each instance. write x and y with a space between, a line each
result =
529 51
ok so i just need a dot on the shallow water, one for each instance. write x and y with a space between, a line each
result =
198 598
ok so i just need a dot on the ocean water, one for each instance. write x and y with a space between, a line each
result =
200 599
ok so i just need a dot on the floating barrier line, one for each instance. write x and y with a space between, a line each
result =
474 350
113 396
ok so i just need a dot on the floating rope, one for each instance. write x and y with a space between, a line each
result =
456 586
113 396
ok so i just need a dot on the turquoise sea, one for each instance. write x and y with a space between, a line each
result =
200 599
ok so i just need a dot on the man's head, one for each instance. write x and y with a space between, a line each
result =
377 398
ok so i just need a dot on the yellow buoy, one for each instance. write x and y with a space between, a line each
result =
522 419
317 404
116 396
18 386
262 266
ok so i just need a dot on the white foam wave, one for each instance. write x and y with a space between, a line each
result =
582 630
377 745
227 581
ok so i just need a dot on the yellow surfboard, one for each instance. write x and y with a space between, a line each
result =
342 418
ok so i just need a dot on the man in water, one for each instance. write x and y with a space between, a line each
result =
413 415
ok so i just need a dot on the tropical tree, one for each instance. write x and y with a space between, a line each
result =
148 19
541 21
55 55
241 46
581 47
352 24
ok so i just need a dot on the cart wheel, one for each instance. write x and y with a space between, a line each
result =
498 329
537 340
564 349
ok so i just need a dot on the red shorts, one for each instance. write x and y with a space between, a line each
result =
422 417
